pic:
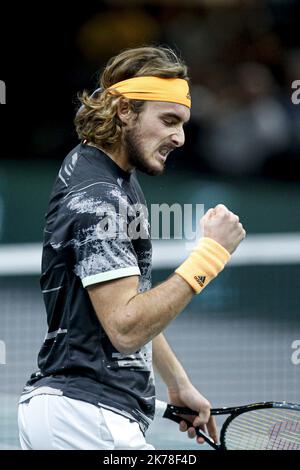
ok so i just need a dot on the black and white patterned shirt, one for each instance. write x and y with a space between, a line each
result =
96 230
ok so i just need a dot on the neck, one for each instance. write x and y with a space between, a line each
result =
118 155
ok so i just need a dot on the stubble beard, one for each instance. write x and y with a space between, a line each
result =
136 156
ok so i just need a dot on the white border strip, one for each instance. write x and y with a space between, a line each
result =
257 249
109 275
20 259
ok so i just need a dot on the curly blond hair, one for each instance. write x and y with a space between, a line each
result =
97 120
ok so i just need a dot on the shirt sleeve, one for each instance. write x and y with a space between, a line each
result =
100 243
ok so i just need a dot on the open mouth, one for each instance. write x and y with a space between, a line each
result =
164 152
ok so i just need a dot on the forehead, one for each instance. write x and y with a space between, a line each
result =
160 107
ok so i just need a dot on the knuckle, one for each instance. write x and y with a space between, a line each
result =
222 207
223 214
234 218
206 406
205 413
182 426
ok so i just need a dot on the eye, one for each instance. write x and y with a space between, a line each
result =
168 122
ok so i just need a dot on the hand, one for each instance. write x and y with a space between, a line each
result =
190 397
223 226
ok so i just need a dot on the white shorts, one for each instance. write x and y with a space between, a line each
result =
49 422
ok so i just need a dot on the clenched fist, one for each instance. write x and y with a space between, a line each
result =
223 226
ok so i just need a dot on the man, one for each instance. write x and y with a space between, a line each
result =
94 388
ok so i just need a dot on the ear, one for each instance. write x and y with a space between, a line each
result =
124 111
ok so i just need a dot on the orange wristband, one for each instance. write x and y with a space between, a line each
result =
205 262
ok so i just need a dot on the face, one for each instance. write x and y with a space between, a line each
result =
149 139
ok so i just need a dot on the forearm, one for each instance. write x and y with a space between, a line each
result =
180 390
147 314
167 365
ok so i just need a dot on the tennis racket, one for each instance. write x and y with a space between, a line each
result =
259 426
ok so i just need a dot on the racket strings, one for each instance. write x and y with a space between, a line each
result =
272 429
260 421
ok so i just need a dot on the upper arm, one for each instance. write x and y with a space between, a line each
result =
109 300
103 250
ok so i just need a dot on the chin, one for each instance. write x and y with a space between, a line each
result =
151 170
156 170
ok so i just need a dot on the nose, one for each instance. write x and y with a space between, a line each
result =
178 137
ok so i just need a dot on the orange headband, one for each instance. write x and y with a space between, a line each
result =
174 90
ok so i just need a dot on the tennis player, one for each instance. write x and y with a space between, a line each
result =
95 386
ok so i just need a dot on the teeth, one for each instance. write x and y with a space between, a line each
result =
164 152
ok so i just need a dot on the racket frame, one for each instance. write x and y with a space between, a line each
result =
172 412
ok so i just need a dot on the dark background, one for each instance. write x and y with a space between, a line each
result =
242 55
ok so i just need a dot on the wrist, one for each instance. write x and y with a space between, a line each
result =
205 262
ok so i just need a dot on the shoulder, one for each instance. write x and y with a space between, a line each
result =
93 195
